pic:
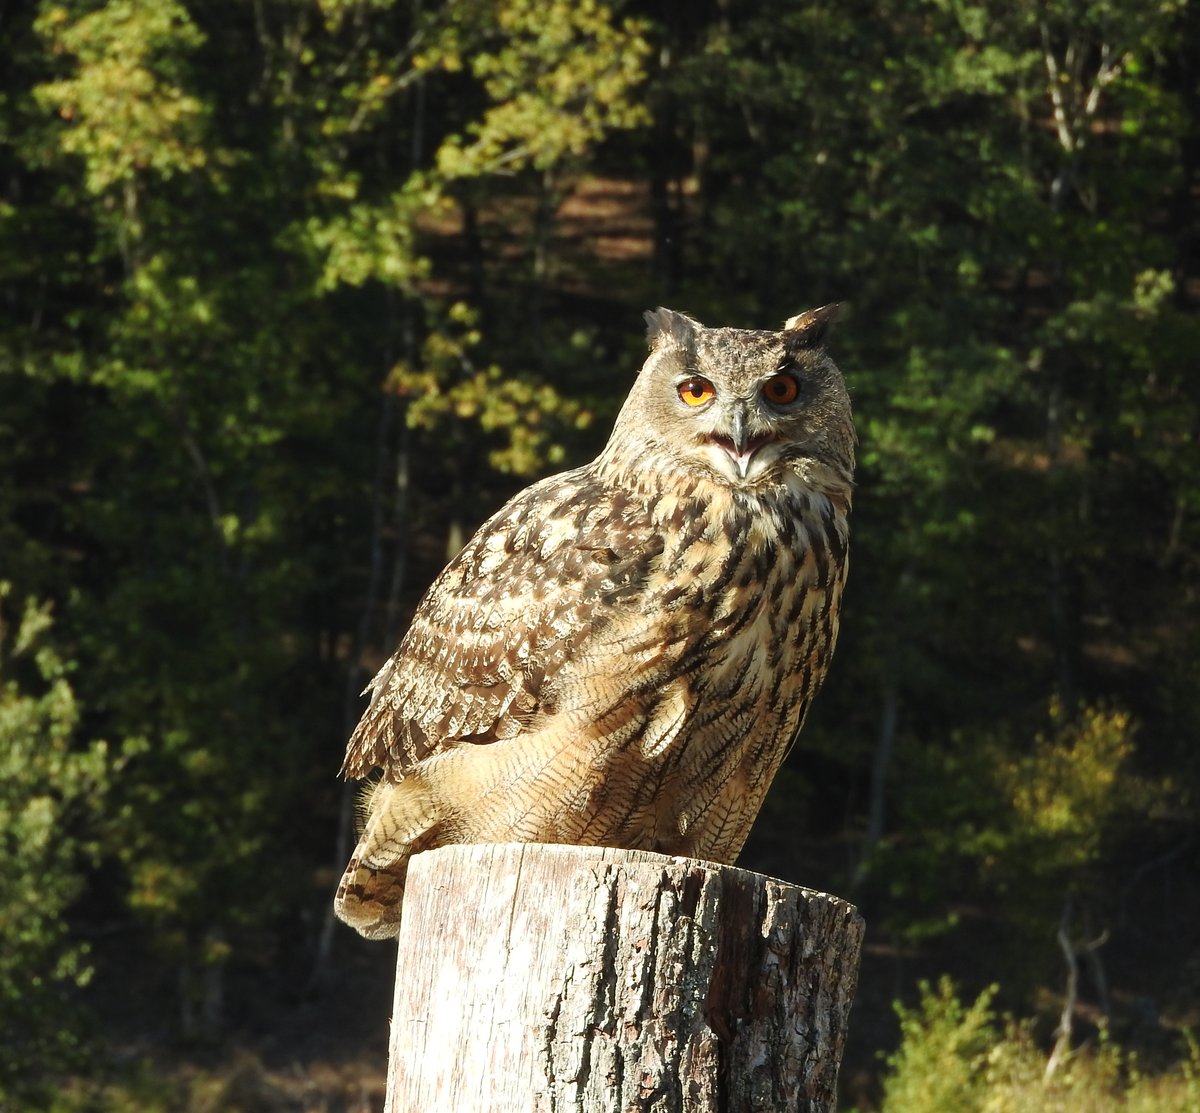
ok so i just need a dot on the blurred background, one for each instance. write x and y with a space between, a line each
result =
295 293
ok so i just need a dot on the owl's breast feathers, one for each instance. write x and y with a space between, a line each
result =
620 610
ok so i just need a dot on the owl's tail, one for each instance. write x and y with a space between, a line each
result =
401 822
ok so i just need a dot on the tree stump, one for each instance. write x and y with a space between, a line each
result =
570 979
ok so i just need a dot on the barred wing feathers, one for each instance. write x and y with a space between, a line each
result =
503 634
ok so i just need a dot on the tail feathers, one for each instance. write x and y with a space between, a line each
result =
401 822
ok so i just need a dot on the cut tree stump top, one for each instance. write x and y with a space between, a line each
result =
566 979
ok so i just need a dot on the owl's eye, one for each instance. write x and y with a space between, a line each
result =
695 392
781 389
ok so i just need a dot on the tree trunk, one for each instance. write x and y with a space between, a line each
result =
564 979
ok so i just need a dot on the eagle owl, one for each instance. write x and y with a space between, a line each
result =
623 654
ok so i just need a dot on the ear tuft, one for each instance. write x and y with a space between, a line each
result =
808 330
668 326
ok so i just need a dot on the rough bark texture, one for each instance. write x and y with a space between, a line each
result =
563 979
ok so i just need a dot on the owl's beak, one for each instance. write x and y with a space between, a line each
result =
737 429
739 445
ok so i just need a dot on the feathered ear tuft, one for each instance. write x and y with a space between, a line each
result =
808 330
668 326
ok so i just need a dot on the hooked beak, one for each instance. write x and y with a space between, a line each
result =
739 445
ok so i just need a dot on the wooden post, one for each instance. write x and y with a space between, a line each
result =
571 979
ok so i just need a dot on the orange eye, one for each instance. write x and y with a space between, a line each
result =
695 392
781 389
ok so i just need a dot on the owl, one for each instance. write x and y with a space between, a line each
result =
624 653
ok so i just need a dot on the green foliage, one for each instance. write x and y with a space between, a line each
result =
1067 791
958 1058
451 397
124 110
943 1052
51 791
584 66
1027 822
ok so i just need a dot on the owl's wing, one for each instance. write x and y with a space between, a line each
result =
560 566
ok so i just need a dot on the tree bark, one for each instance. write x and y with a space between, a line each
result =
563 979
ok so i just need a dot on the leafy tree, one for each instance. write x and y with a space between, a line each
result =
51 791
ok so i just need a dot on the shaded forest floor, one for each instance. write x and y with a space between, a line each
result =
290 1043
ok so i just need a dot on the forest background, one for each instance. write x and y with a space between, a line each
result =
294 293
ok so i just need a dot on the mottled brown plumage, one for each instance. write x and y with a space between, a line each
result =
624 653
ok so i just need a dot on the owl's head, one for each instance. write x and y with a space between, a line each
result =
746 408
